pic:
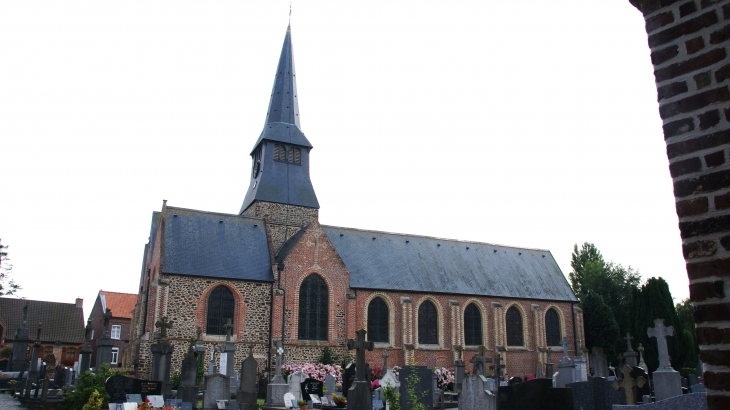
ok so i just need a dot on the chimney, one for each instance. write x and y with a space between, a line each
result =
79 303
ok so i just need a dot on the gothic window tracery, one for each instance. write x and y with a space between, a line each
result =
313 309
221 305
378 321
472 326
428 324
552 327
515 335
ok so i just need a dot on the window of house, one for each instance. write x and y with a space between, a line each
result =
552 327
220 308
472 326
428 324
378 321
115 355
70 355
47 351
116 331
313 309
515 336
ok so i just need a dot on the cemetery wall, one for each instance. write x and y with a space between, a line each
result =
689 51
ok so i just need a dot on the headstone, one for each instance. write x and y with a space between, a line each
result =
691 401
389 379
156 401
476 394
312 386
698 388
459 371
118 387
276 390
666 380
216 388
424 388
134 398
20 345
161 357
358 396
642 364
628 384
692 379
330 382
630 355
598 362
295 383
227 357
289 400
581 364
533 395
188 389
349 375
566 368
246 394
479 362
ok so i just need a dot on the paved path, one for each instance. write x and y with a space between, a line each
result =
8 402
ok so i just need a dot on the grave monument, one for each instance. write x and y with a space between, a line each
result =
246 394
188 389
667 382
566 368
359 397
628 384
276 390
161 357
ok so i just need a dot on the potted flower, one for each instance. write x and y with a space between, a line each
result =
302 404
339 400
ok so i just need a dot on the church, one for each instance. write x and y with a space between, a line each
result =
276 274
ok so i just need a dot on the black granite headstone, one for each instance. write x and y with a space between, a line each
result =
424 388
312 386
535 394
119 386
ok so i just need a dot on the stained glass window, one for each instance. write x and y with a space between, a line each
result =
514 327
472 326
428 324
552 327
313 309
378 321
220 308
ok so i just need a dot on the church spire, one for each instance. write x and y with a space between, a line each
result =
280 166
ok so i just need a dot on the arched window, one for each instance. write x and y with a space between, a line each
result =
428 324
472 326
277 148
290 155
378 321
313 309
220 308
514 327
297 155
552 327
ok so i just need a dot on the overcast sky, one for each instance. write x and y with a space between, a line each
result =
531 123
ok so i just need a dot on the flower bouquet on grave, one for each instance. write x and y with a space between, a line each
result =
339 400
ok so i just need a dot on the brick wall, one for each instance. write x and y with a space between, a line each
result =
689 50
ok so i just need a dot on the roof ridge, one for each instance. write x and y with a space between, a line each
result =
216 213
438 238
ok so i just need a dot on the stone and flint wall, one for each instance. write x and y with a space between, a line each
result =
691 57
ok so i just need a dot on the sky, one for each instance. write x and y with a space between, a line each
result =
532 124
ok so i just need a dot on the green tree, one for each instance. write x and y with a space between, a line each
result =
88 384
684 314
7 285
600 325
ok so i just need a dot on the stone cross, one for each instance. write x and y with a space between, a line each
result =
164 323
279 356
628 342
641 359
498 366
479 362
460 350
628 384
385 359
107 317
360 345
579 352
564 343
661 332
229 330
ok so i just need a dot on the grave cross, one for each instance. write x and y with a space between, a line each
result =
360 346
229 330
279 354
564 343
385 359
628 384
164 323
661 332
498 366
460 350
628 342
641 358
579 352
479 362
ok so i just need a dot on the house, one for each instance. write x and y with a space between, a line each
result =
121 306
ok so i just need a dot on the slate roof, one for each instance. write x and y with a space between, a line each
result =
121 304
209 244
60 321
400 262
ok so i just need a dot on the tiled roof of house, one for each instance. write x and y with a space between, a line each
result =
401 262
62 322
121 304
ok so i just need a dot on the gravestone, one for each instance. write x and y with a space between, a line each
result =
276 390
227 358
358 396
698 388
330 382
566 368
628 384
599 363
188 389
423 387
459 371
630 355
666 380
20 346
246 395
389 379
581 364
477 394
118 387
162 356
295 383
537 394
217 388
312 386
690 401
642 364
348 377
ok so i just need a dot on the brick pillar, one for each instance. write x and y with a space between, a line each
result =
539 331
456 323
689 50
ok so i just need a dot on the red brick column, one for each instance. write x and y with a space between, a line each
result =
689 50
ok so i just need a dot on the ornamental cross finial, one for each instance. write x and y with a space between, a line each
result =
229 330
628 342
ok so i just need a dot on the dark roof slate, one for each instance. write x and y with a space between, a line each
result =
60 321
208 244
399 262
